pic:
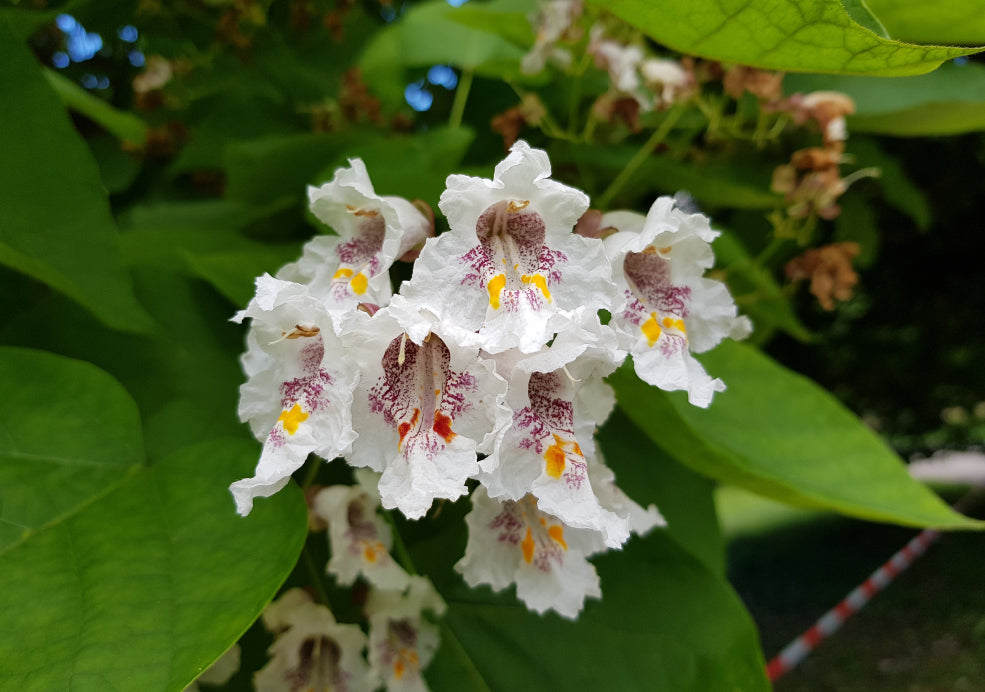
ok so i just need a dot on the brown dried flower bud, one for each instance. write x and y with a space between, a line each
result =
829 268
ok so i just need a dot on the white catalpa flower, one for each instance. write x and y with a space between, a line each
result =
515 542
299 392
670 309
277 615
555 19
510 268
425 406
621 61
360 538
666 77
314 652
373 232
401 641
558 398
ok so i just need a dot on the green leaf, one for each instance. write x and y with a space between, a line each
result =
756 290
56 224
272 168
859 11
122 124
954 22
792 35
68 431
664 623
898 190
412 167
778 434
946 102
203 240
857 223
650 475
192 358
507 18
717 184
429 34
147 585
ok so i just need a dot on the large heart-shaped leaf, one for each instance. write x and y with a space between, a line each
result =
68 432
650 475
664 623
778 434
56 224
120 575
793 35
948 101
955 22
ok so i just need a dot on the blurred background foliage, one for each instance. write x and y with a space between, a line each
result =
156 161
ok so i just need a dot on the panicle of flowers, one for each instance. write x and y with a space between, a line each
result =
483 375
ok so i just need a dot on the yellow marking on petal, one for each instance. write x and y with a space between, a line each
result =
292 419
359 283
495 288
555 458
357 211
651 329
302 331
369 552
557 533
664 251
343 273
517 206
398 669
538 281
527 544
674 323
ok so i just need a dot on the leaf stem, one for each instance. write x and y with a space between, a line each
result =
673 115
121 124
399 547
315 575
312 473
461 96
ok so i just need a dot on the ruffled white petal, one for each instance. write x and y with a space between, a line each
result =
515 542
558 398
668 309
510 268
401 642
425 406
315 652
373 231
299 393
360 539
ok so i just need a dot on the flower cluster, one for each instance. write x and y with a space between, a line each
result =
486 370
311 651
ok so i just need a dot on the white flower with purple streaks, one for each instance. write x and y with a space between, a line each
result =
558 398
360 538
401 642
373 232
515 542
425 406
314 652
299 392
670 310
510 268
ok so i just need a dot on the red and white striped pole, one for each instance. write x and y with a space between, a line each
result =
829 623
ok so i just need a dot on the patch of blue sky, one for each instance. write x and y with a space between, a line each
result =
417 97
443 75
